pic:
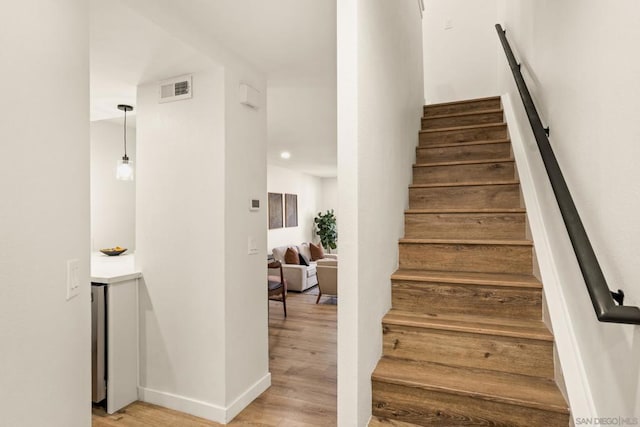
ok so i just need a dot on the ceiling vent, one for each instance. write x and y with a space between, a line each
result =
176 89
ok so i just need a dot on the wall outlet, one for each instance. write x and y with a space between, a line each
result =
73 278
448 24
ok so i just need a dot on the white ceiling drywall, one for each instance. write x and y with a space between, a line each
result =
127 50
292 41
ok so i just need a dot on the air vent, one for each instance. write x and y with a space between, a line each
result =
176 89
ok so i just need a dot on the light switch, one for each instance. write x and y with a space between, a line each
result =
253 248
448 24
73 278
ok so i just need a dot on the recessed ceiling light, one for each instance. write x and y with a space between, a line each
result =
285 155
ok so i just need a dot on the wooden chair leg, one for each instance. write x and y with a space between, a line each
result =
319 295
284 303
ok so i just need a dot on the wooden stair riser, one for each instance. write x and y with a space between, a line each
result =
476 300
440 408
502 196
462 107
483 258
464 152
478 172
464 344
464 134
500 226
472 350
480 118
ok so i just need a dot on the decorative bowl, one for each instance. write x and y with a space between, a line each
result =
113 251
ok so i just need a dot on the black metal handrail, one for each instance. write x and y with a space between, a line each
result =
603 300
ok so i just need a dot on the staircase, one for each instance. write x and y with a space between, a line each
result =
464 343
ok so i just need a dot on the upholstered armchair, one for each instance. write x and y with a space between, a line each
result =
327 272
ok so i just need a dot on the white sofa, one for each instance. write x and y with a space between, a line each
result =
299 277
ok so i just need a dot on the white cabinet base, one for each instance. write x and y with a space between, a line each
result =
122 344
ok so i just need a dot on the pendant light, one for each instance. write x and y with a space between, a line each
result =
124 170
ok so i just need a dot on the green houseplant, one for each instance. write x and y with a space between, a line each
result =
327 230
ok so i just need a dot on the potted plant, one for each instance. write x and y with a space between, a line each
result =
327 230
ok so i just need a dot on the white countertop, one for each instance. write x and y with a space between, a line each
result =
113 269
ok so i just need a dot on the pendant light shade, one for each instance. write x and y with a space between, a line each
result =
124 169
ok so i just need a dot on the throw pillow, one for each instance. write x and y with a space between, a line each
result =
303 260
317 252
291 256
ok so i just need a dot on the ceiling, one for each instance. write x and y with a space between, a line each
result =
293 42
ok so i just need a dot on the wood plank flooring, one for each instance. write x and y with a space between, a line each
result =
302 353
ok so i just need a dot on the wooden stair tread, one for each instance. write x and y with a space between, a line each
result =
513 242
464 113
465 211
463 101
465 127
456 277
463 162
527 329
466 184
463 144
521 390
385 422
465 340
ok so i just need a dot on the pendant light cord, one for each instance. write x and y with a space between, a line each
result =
125 133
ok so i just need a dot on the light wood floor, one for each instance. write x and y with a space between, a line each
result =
302 353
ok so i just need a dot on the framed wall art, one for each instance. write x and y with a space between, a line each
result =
291 210
275 210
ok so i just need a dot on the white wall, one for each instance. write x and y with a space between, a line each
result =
44 214
309 191
180 237
113 202
460 61
246 336
329 198
200 162
576 59
380 88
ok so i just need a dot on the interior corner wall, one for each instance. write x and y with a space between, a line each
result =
460 50
180 236
380 92
308 188
45 360
113 202
246 336
209 203
577 62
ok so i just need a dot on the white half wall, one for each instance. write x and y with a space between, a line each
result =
460 50
309 191
577 62
45 360
380 91
113 202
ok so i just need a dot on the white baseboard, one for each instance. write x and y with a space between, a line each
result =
248 396
203 409
183 404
